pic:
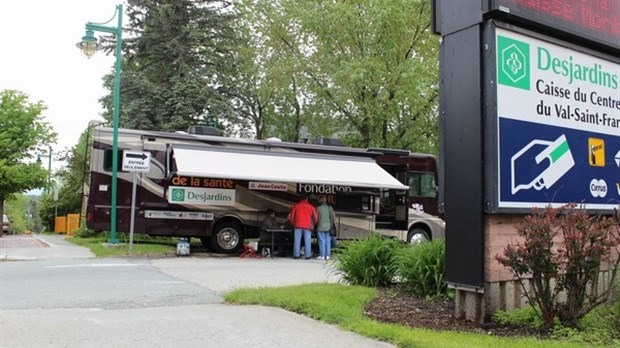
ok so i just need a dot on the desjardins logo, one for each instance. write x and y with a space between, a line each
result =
513 63
178 195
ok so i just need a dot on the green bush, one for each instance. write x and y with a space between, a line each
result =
606 317
598 327
591 337
421 268
369 262
84 232
525 317
562 251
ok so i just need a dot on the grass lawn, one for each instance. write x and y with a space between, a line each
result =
343 306
96 245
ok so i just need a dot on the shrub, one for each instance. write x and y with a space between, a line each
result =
600 326
421 268
84 232
585 246
369 262
615 314
526 317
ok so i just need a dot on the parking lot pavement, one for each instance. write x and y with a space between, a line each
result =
214 325
39 247
222 274
211 324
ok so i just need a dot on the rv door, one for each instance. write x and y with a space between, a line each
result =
401 209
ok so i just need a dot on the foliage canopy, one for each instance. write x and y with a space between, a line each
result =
176 59
364 71
24 133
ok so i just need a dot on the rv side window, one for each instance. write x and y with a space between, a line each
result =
107 160
362 202
422 185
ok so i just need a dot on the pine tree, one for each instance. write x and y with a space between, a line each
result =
177 58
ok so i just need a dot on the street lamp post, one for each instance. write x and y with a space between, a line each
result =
49 169
89 46
90 124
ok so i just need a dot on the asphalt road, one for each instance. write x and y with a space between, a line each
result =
96 284
169 302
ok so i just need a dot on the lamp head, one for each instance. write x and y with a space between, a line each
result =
95 123
89 44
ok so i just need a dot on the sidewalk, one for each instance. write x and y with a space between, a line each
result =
40 246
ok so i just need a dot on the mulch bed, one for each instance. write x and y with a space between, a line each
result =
396 306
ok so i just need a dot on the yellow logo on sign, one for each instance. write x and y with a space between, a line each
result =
596 152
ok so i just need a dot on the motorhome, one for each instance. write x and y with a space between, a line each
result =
197 184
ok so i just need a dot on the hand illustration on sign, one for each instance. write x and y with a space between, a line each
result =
531 159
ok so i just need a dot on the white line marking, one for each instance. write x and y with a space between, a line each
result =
98 265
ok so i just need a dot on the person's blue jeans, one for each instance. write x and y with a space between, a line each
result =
325 241
297 242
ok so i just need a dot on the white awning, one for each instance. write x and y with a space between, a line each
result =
280 166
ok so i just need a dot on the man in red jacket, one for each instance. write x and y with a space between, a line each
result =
303 217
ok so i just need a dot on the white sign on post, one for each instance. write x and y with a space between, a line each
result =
558 121
136 161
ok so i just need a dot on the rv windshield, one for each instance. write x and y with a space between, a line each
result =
422 185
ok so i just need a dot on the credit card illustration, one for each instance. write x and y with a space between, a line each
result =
540 164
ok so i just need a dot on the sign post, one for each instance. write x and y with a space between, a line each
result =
135 161
530 117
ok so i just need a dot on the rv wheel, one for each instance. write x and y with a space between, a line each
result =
417 236
227 238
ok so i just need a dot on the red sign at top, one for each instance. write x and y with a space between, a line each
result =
596 20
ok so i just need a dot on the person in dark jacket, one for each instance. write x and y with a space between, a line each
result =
271 223
303 217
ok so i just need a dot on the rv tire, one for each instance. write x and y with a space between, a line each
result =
227 238
417 236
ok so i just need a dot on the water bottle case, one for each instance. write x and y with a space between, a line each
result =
183 248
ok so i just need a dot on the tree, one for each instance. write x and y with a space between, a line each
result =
22 133
176 59
273 97
70 182
367 69
65 195
32 214
73 176
253 101
22 209
47 211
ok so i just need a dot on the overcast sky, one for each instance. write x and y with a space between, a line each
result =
38 57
